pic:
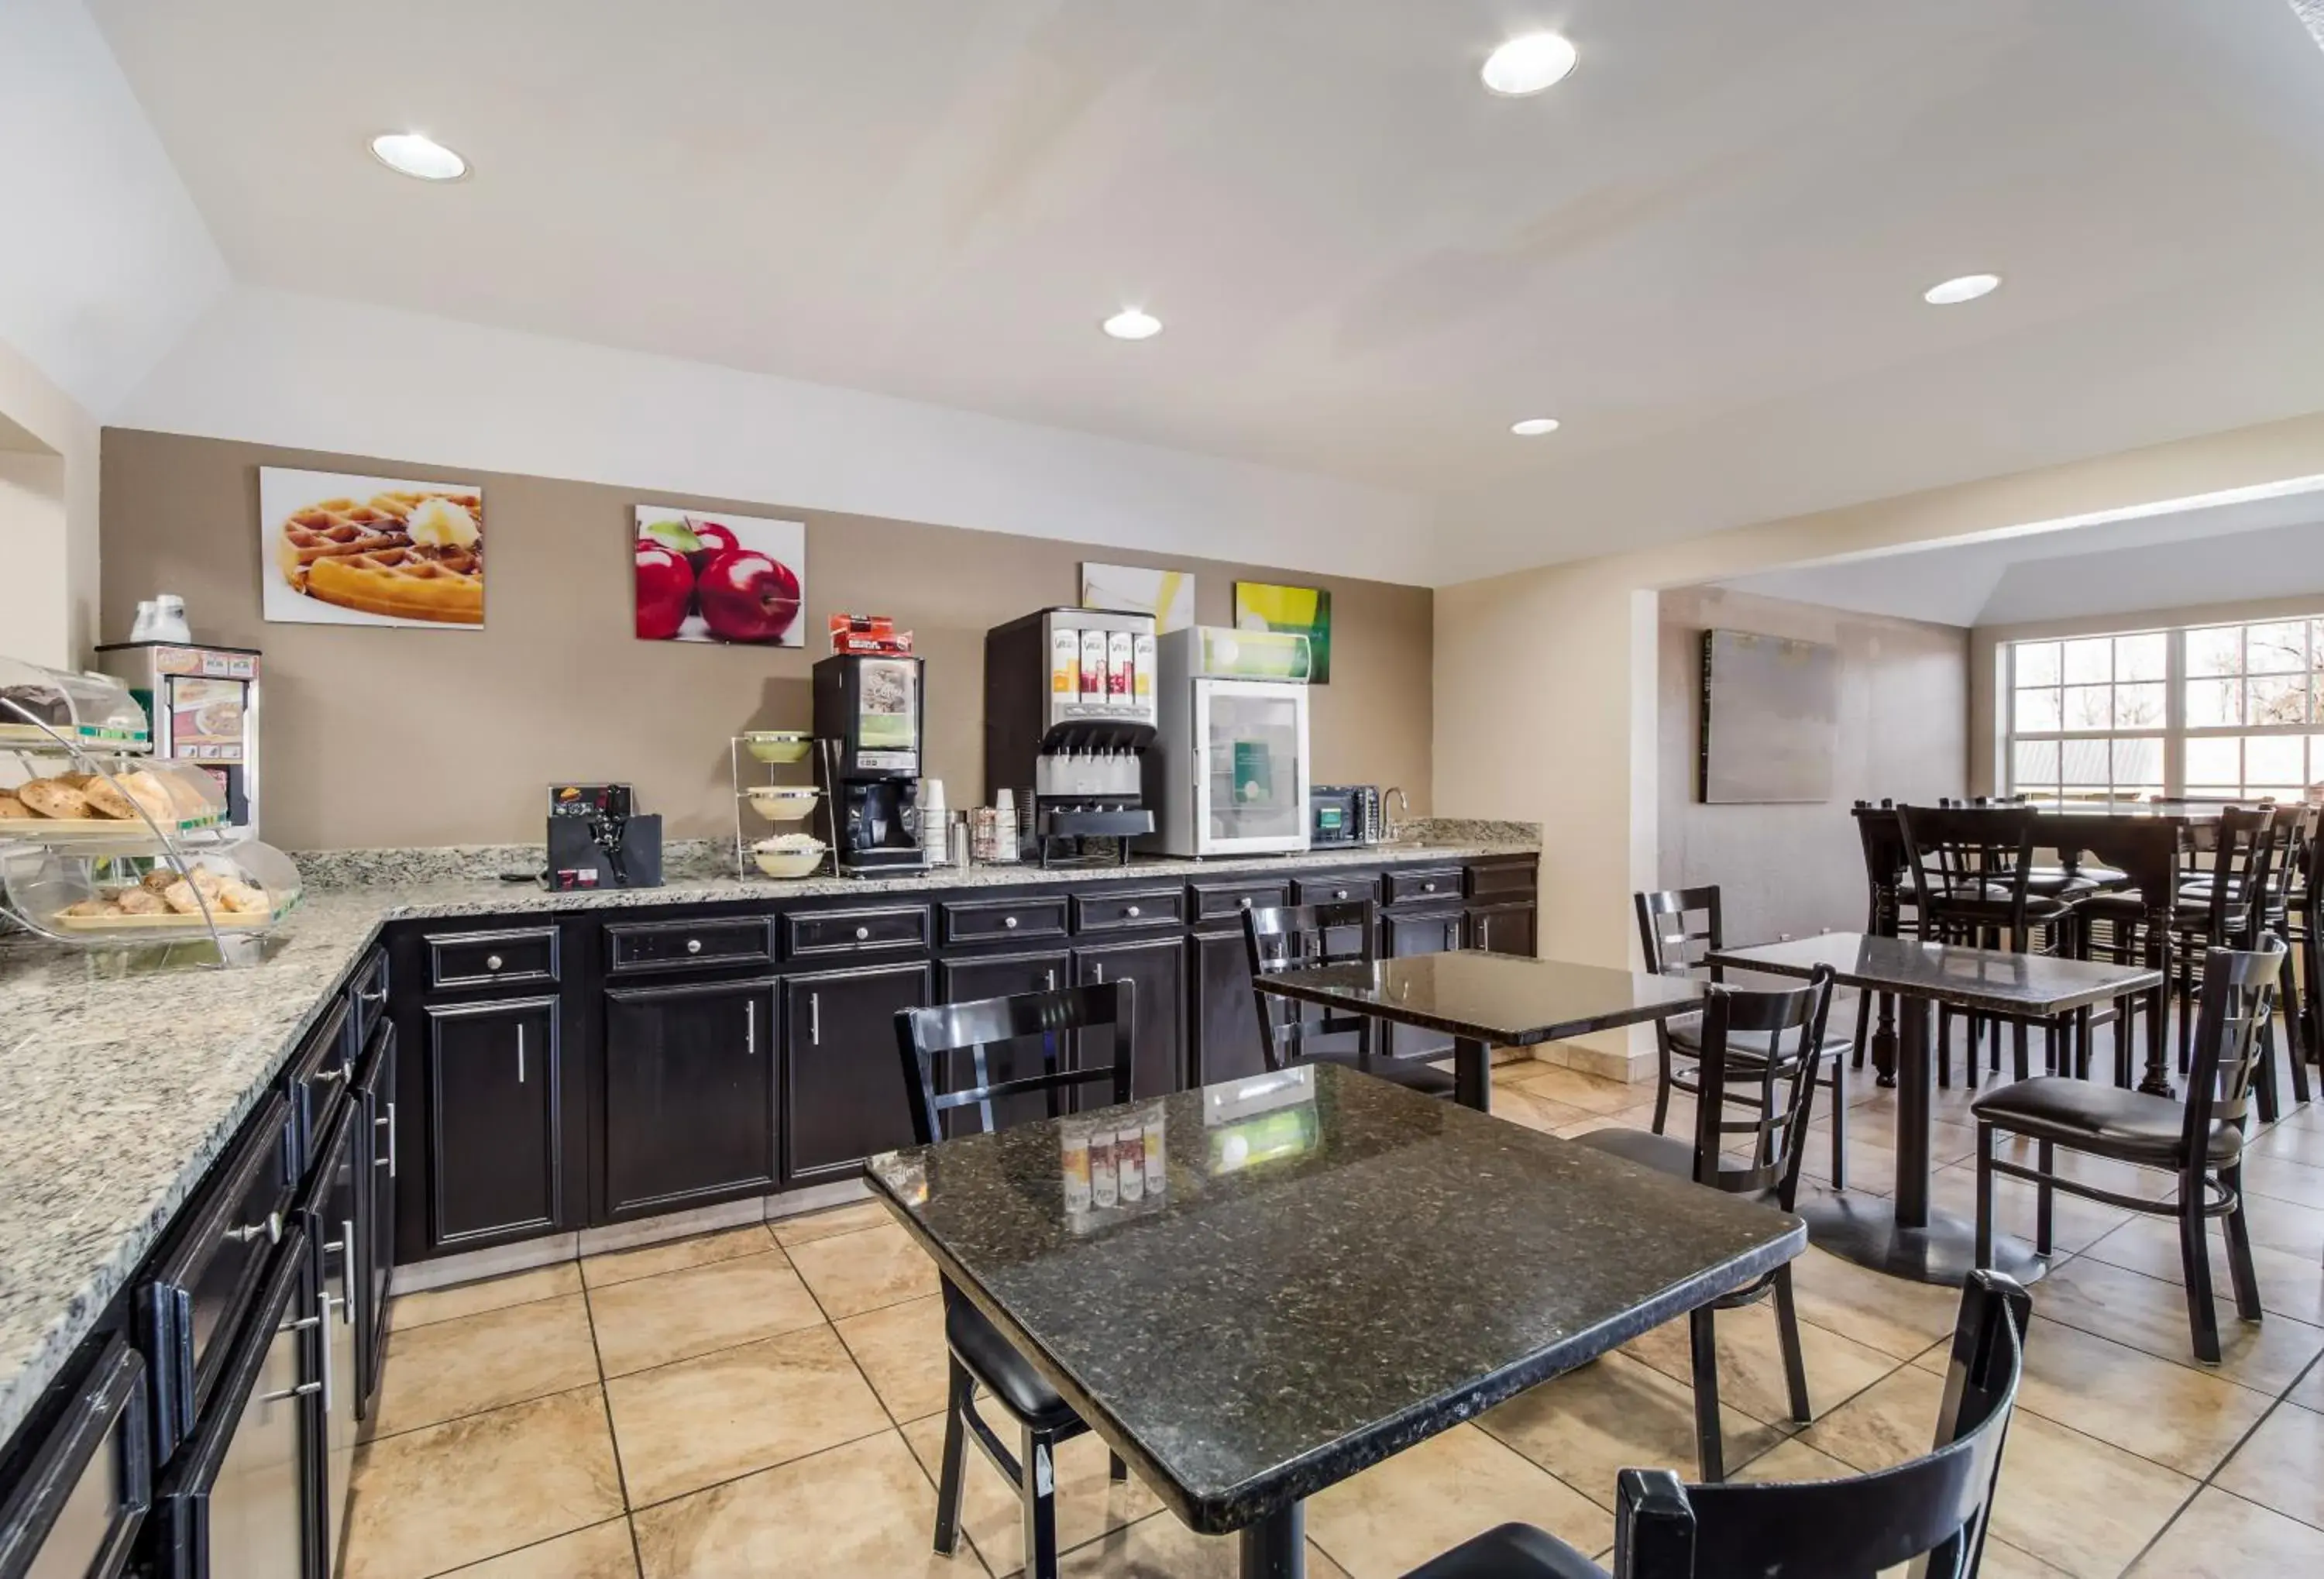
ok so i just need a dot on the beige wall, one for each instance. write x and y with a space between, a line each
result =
1902 732
424 737
48 519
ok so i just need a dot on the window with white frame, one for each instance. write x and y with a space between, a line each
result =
2230 711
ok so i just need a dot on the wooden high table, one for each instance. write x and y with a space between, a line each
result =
1904 1236
2144 838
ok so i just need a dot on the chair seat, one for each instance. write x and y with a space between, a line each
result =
1004 1371
1669 1154
2130 1126
1513 1551
1748 1050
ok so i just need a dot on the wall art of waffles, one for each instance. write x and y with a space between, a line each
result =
340 550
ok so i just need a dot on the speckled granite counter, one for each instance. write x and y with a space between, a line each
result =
116 1094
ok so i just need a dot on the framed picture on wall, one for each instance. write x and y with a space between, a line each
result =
337 548
1306 610
712 576
1133 589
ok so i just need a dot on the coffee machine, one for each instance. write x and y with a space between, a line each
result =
868 718
1069 713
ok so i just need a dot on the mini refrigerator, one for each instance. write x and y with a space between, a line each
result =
1230 770
203 703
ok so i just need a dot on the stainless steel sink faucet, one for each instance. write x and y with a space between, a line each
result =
1396 826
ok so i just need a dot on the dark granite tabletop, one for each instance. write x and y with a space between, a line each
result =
1977 978
1502 999
1324 1269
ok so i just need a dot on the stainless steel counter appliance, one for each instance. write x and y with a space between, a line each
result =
1069 700
203 702
1231 769
1344 814
868 726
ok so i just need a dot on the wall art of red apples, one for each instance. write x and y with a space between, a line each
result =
717 578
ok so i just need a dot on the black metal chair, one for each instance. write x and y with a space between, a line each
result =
939 1046
2201 1141
1934 1507
1676 928
1972 874
1288 937
1778 1140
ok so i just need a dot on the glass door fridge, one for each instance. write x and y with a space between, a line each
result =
1232 761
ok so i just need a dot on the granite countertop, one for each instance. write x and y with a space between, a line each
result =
118 1092
1263 1219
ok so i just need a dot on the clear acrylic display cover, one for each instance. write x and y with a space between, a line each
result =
92 712
240 887
120 805
1226 653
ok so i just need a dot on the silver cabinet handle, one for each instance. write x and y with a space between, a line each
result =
320 1325
1132 912
815 1019
1099 966
694 945
272 1229
1010 922
492 961
1051 978
355 1269
1242 904
388 1161
863 933
1428 888
750 1026
376 995
301 1391
1339 893
324 1077
520 1053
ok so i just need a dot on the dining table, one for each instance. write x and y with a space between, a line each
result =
1904 1234
1486 1001
1318 1269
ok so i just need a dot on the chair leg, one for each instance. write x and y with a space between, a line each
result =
1710 1456
2125 1037
1115 1470
1662 1096
1985 1194
1863 1027
1787 1332
1945 1047
2018 1046
2238 1228
1839 1124
959 1389
2045 1197
2265 1082
1039 1495
2195 1266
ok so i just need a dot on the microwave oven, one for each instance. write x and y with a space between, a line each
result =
1344 814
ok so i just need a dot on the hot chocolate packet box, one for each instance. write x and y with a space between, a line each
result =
869 634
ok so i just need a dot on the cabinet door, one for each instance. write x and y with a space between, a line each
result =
1502 929
844 1096
965 981
332 1210
494 1155
1158 1037
690 1095
1226 1016
1433 929
376 1177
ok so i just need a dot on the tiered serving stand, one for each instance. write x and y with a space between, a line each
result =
762 799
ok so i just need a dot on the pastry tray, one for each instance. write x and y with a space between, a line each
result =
93 830
227 922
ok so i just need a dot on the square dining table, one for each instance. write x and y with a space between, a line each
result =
1488 1000
1904 1235
1319 1269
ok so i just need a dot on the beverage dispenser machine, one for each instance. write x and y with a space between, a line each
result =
869 717
203 702
1068 715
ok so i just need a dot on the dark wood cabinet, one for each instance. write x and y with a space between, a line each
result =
844 1096
77 1510
331 1212
496 1145
1225 1024
377 1172
1158 967
690 1095
1419 930
1502 929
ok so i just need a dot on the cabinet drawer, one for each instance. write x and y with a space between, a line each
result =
661 945
77 1508
318 1082
1510 879
825 932
367 999
1431 882
1122 911
1003 920
1225 902
522 955
203 1284
1340 887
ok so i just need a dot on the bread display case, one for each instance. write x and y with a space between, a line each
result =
103 844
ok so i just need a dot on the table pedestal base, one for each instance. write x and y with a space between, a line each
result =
1275 1547
1864 1229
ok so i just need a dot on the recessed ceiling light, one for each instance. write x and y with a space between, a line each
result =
1133 323
1534 427
413 154
1529 64
1968 288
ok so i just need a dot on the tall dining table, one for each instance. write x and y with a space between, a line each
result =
2144 839
1904 1234
1486 1001
1318 1269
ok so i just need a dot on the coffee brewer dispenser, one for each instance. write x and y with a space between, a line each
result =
868 726
1068 713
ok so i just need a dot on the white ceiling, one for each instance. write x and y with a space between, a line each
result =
1703 252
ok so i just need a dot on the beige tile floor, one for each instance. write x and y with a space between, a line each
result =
766 1401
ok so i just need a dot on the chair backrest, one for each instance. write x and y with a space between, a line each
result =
1883 871
2242 847
1676 928
1793 1021
2239 990
1289 937
1931 1511
1035 1024
1970 864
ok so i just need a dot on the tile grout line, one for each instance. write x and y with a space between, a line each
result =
612 1434
2208 1481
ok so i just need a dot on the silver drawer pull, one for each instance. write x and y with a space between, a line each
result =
492 961
862 933
520 1054
388 1123
354 1270
271 1231
750 1026
1428 888
1010 922
377 996
1132 912
1242 904
1339 893
694 945
815 1019
301 1391
324 1076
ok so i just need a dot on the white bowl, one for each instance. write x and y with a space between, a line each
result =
778 745
783 803
795 863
